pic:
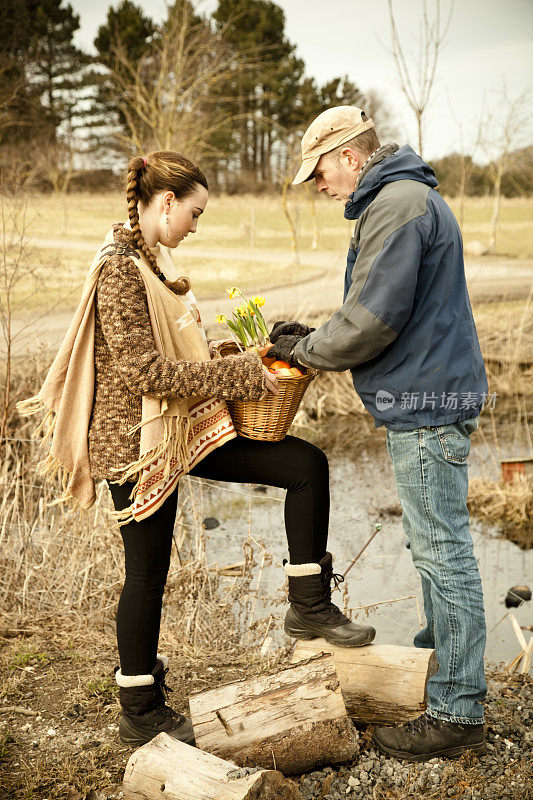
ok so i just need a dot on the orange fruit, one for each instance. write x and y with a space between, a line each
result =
296 372
280 365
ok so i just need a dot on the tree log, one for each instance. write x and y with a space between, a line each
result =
293 721
165 769
379 682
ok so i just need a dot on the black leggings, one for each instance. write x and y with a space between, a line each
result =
292 464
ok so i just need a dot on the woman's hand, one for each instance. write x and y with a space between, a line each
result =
271 381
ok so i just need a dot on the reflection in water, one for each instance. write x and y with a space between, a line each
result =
523 537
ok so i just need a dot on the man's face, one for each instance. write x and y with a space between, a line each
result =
336 173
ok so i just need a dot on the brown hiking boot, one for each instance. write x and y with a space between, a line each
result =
428 737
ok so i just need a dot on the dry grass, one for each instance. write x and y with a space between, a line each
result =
56 278
55 560
506 338
60 578
228 222
505 331
61 573
331 393
494 501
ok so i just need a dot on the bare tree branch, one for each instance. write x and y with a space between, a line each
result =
172 99
503 131
417 80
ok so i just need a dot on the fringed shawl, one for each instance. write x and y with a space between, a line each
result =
175 433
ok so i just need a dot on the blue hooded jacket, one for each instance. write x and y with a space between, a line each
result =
405 329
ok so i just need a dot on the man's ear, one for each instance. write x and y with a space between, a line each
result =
351 158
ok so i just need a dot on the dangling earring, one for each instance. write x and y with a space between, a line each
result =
166 225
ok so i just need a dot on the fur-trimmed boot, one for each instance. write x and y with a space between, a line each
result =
144 710
312 614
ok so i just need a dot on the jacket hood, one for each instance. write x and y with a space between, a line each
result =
394 165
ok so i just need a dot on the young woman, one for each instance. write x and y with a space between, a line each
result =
136 399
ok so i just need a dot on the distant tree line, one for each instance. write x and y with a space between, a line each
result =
228 89
517 180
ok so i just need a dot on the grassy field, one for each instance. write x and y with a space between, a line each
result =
242 221
244 240
515 233
56 277
250 221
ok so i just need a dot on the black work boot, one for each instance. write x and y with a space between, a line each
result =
312 614
427 737
144 710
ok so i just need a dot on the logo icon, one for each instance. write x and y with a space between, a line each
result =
384 400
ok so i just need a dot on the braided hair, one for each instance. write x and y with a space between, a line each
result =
163 170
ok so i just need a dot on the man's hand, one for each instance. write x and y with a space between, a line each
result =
289 328
282 350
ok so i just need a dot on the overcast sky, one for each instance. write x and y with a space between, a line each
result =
489 45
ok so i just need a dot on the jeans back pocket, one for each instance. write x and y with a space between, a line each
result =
455 445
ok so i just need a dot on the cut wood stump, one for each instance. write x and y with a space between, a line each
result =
379 682
165 769
293 721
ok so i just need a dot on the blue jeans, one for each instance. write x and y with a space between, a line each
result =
432 480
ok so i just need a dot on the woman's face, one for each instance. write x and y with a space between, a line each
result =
183 215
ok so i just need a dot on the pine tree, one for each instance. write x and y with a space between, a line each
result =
55 62
41 72
21 110
126 28
269 94
266 72
123 39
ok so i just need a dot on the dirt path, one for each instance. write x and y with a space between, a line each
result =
191 250
488 278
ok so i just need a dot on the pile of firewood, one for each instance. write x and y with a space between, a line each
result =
251 734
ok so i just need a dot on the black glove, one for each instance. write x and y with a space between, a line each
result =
283 347
291 328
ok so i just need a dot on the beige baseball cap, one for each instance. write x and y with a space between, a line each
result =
329 130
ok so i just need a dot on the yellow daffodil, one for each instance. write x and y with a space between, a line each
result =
247 323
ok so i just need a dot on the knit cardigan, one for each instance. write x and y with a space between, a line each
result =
127 365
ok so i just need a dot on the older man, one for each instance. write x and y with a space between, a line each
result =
406 332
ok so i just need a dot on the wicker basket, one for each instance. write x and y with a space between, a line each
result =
269 420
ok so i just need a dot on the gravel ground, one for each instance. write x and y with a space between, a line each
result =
58 734
505 773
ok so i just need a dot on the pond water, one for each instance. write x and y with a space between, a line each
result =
363 492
